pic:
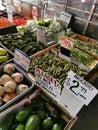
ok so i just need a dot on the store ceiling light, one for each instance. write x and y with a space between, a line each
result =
83 0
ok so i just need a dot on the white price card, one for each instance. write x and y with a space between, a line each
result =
41 35
80 88
21 59
48 83
66 17
66 42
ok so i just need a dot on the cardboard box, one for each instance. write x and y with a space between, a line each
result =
85 39
63 114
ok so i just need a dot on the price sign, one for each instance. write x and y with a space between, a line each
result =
66 17
66 42
48 83
21 59
80 88
8 2
41 36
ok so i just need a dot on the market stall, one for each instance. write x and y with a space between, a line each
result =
48 65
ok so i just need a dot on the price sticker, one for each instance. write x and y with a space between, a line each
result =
50 84
66 42
66 17
21 59
80 88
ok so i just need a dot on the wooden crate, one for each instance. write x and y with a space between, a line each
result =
85 39
52 50
89 67
69 121
92 76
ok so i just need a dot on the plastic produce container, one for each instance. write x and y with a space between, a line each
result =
9 97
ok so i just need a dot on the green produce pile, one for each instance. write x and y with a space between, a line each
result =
55 67
87 46
4 56
25 42
81 56
35 116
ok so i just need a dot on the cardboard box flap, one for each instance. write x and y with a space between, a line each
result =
70 103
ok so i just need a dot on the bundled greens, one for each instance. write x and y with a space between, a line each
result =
54 66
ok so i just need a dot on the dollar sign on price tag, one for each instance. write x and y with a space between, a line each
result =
80 88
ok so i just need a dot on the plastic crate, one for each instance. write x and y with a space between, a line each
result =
26 80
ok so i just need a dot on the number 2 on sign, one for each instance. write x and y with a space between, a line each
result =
74 86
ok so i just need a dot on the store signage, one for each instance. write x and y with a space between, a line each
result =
66 42
41 36
22 60
65 17
80 88
49 83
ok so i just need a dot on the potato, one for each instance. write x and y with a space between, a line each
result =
1 91
4 78
10 86
9 69
17 77
7 97
20 88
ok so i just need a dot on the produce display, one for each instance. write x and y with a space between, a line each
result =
54 66
20 20
87 46
4 56
11 83
39 115
51 29
4 23
25 42
79 56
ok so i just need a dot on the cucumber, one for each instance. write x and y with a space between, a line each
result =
20 127
32 122
7 122
23 114
57 127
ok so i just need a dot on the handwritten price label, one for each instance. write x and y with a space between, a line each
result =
66 42
48 83
80 88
